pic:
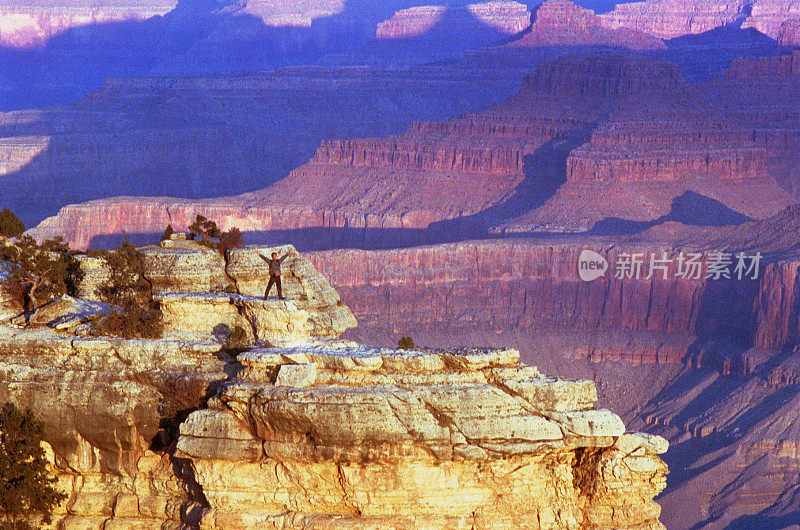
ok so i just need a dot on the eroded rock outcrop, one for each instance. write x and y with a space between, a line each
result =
105 404
506 17
313 430
562 23
350 437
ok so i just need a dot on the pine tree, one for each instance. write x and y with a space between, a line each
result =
168 231
205 229
25 487
43 272
10 225
134 312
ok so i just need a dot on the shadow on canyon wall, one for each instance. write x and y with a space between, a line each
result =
204 37
174 144
184 142
689 208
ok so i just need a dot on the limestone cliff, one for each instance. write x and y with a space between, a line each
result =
339 436
561 22
299 430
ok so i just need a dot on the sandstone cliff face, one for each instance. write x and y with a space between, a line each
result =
102 401
310 431
347 437
767 16
496 286
534 287
628 152
668 19
504 16
561 22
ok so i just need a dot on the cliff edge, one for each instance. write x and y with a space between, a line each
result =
294 427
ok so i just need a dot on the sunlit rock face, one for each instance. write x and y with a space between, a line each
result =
300 427
30 24
347 436
563 23
506 17
102 401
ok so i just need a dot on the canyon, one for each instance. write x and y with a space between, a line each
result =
587 140
447 184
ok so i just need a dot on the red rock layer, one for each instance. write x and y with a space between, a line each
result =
399 153
501 286
789 33
560 22
778 307
636 153
671 18
602 82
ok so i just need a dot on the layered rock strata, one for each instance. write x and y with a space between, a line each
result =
343 436
495 286
505 17
312 431
628 314
103 402
587 137
562 23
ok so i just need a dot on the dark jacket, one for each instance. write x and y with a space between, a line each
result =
274 264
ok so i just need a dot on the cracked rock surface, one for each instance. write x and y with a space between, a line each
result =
337 435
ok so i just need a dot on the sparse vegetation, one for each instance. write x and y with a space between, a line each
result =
230 239
206 230
26 489
135 314
42 272
10 224
210 235
168 231
237 338
406 343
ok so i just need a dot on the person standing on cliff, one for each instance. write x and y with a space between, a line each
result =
274 273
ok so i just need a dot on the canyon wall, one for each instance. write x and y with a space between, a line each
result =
562 23
190 431
512 285
505 17
530 286
614 127
151 136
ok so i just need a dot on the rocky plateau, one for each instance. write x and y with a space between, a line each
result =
300 428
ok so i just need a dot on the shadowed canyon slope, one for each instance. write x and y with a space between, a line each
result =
588 138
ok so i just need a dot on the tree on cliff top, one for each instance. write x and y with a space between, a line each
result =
134 312
10 225
205 229
43 272
25 487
